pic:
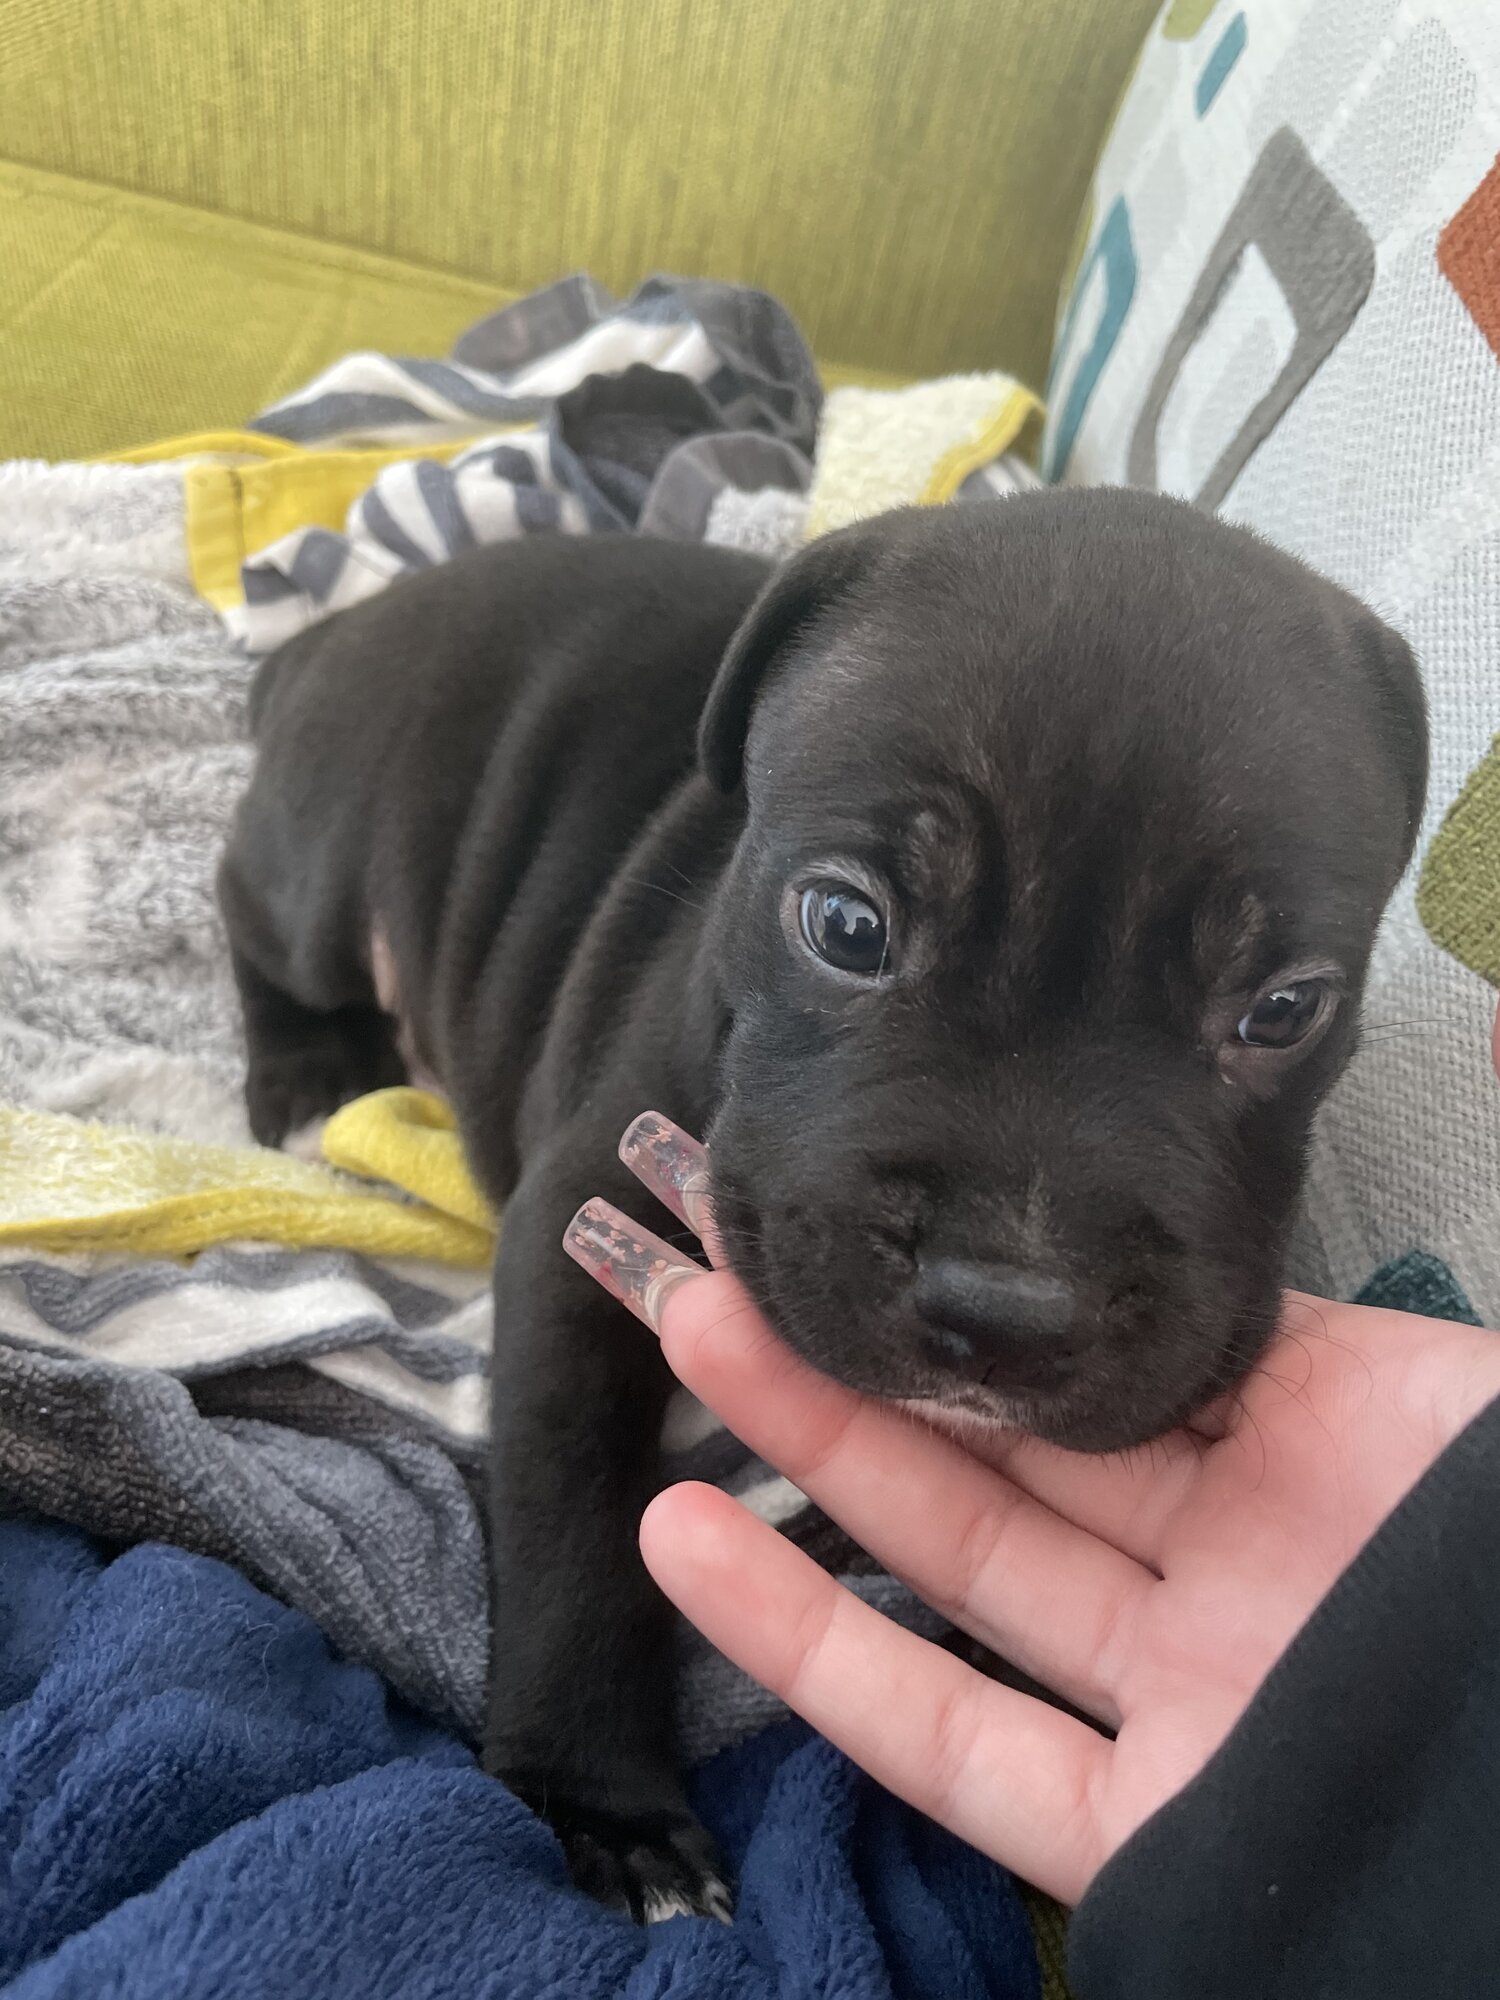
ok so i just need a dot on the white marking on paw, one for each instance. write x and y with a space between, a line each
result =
306 1143
660 1904
717 1901
712 1899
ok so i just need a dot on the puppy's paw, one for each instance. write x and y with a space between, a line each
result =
289 1090
653 1867
288 1093
305 1142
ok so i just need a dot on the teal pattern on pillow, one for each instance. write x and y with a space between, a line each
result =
1417 1283
1227 52
1113 255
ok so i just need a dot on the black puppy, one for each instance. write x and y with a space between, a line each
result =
998 909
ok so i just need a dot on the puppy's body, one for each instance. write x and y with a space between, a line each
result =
491 768
461 767
1102 780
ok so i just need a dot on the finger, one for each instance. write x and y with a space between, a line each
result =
1128 1499
1286 1363
1001 1770
1048 1595
1131 1497
674 1166
630 1263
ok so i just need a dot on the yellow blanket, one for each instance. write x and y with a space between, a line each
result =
242 491
911 447
66 1185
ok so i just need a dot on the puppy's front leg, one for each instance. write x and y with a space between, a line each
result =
581 1711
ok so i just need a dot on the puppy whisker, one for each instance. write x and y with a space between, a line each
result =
1416 1021
661 889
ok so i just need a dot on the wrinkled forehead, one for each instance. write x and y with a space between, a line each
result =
1064 786
849 749
1021 726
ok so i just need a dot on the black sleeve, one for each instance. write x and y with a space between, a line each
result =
1345 1840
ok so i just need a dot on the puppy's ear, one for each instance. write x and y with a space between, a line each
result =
1401 704
795 598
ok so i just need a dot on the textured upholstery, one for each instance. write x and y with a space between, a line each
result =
905 176
1289 309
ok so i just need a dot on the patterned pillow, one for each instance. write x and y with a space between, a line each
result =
1286 306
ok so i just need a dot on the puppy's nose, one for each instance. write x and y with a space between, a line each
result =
994 1321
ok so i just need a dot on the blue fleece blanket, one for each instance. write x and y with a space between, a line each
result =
198 1799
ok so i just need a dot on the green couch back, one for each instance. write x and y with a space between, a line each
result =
202 200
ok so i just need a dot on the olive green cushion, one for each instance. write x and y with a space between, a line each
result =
325 174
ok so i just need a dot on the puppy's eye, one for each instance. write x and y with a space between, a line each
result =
844 928
1283 1014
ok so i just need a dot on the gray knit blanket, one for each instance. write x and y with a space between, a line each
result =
314 1418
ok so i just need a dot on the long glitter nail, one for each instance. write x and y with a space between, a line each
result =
673 1165
634 1266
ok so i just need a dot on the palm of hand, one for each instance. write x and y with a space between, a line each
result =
1249 1530
1154 1590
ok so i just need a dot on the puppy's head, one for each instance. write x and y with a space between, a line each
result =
1069 822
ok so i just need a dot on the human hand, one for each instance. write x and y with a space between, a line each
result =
1153 1589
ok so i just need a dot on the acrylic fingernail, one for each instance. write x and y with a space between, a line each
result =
634 1266
672 1164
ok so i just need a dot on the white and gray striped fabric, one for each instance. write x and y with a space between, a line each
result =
617 419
